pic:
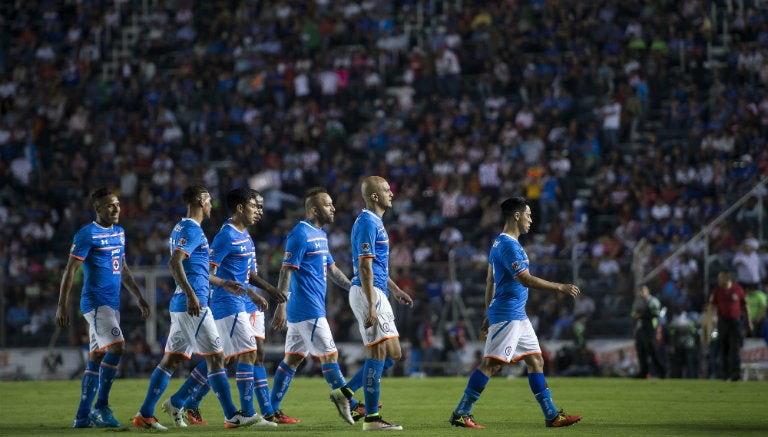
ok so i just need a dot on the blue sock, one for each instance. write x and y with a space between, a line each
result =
373 370
220 385
244 379
88 389
542 394
356 382
261 388
107 372
194 382
283 376
157 385
475 386
332 375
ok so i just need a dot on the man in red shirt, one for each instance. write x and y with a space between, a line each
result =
727 298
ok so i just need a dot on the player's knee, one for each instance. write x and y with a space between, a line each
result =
117 348
395 355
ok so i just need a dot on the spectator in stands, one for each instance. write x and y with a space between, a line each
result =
749 271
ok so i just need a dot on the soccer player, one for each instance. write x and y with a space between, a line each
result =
233 257
306 265
100 248
192 326
369 295
510 335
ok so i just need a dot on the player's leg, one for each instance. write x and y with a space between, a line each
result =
375 339
284 374
317 333
189 395
88 389
245 381
528 348
158 382
109 337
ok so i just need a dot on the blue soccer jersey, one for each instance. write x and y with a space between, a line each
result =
508 260
233 254
306 251
188 237
101 250
370 240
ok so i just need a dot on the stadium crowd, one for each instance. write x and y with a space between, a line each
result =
631 135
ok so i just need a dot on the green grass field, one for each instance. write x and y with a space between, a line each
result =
611 407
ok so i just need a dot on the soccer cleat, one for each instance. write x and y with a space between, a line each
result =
562 419
177 414
240 420
379 424
194 417
280 417
82 423
140 421
465 421
103 418
342 405
359 411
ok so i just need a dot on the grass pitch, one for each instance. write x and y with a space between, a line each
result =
611 407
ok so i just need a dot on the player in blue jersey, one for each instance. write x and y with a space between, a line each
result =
510 335
232 257
100 248
307 263
193 329
369 295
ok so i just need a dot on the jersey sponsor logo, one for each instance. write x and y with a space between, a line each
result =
365 247
115 331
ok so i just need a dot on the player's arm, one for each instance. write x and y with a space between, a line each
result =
176 267
271 290
402 297
256 298
62 311
490 291
338 277
283 282
233 287
530 281
129 282
365 271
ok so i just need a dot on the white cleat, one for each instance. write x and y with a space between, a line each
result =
240 420
140 421
177 414
381 425
342 404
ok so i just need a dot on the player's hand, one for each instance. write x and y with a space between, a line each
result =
278 320
484 329
276 295
193 306
234 287
259 301
144 308
372 318
570 289
404 298
62 318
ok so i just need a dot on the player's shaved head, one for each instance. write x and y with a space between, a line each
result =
371 184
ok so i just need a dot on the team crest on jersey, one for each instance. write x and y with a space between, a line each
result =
217 342
182 242
508 351
287 255
385 327
115 331
365 247
515 265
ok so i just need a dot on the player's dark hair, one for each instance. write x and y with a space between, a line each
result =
512 205
240 196
99 194
192 193
311 195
